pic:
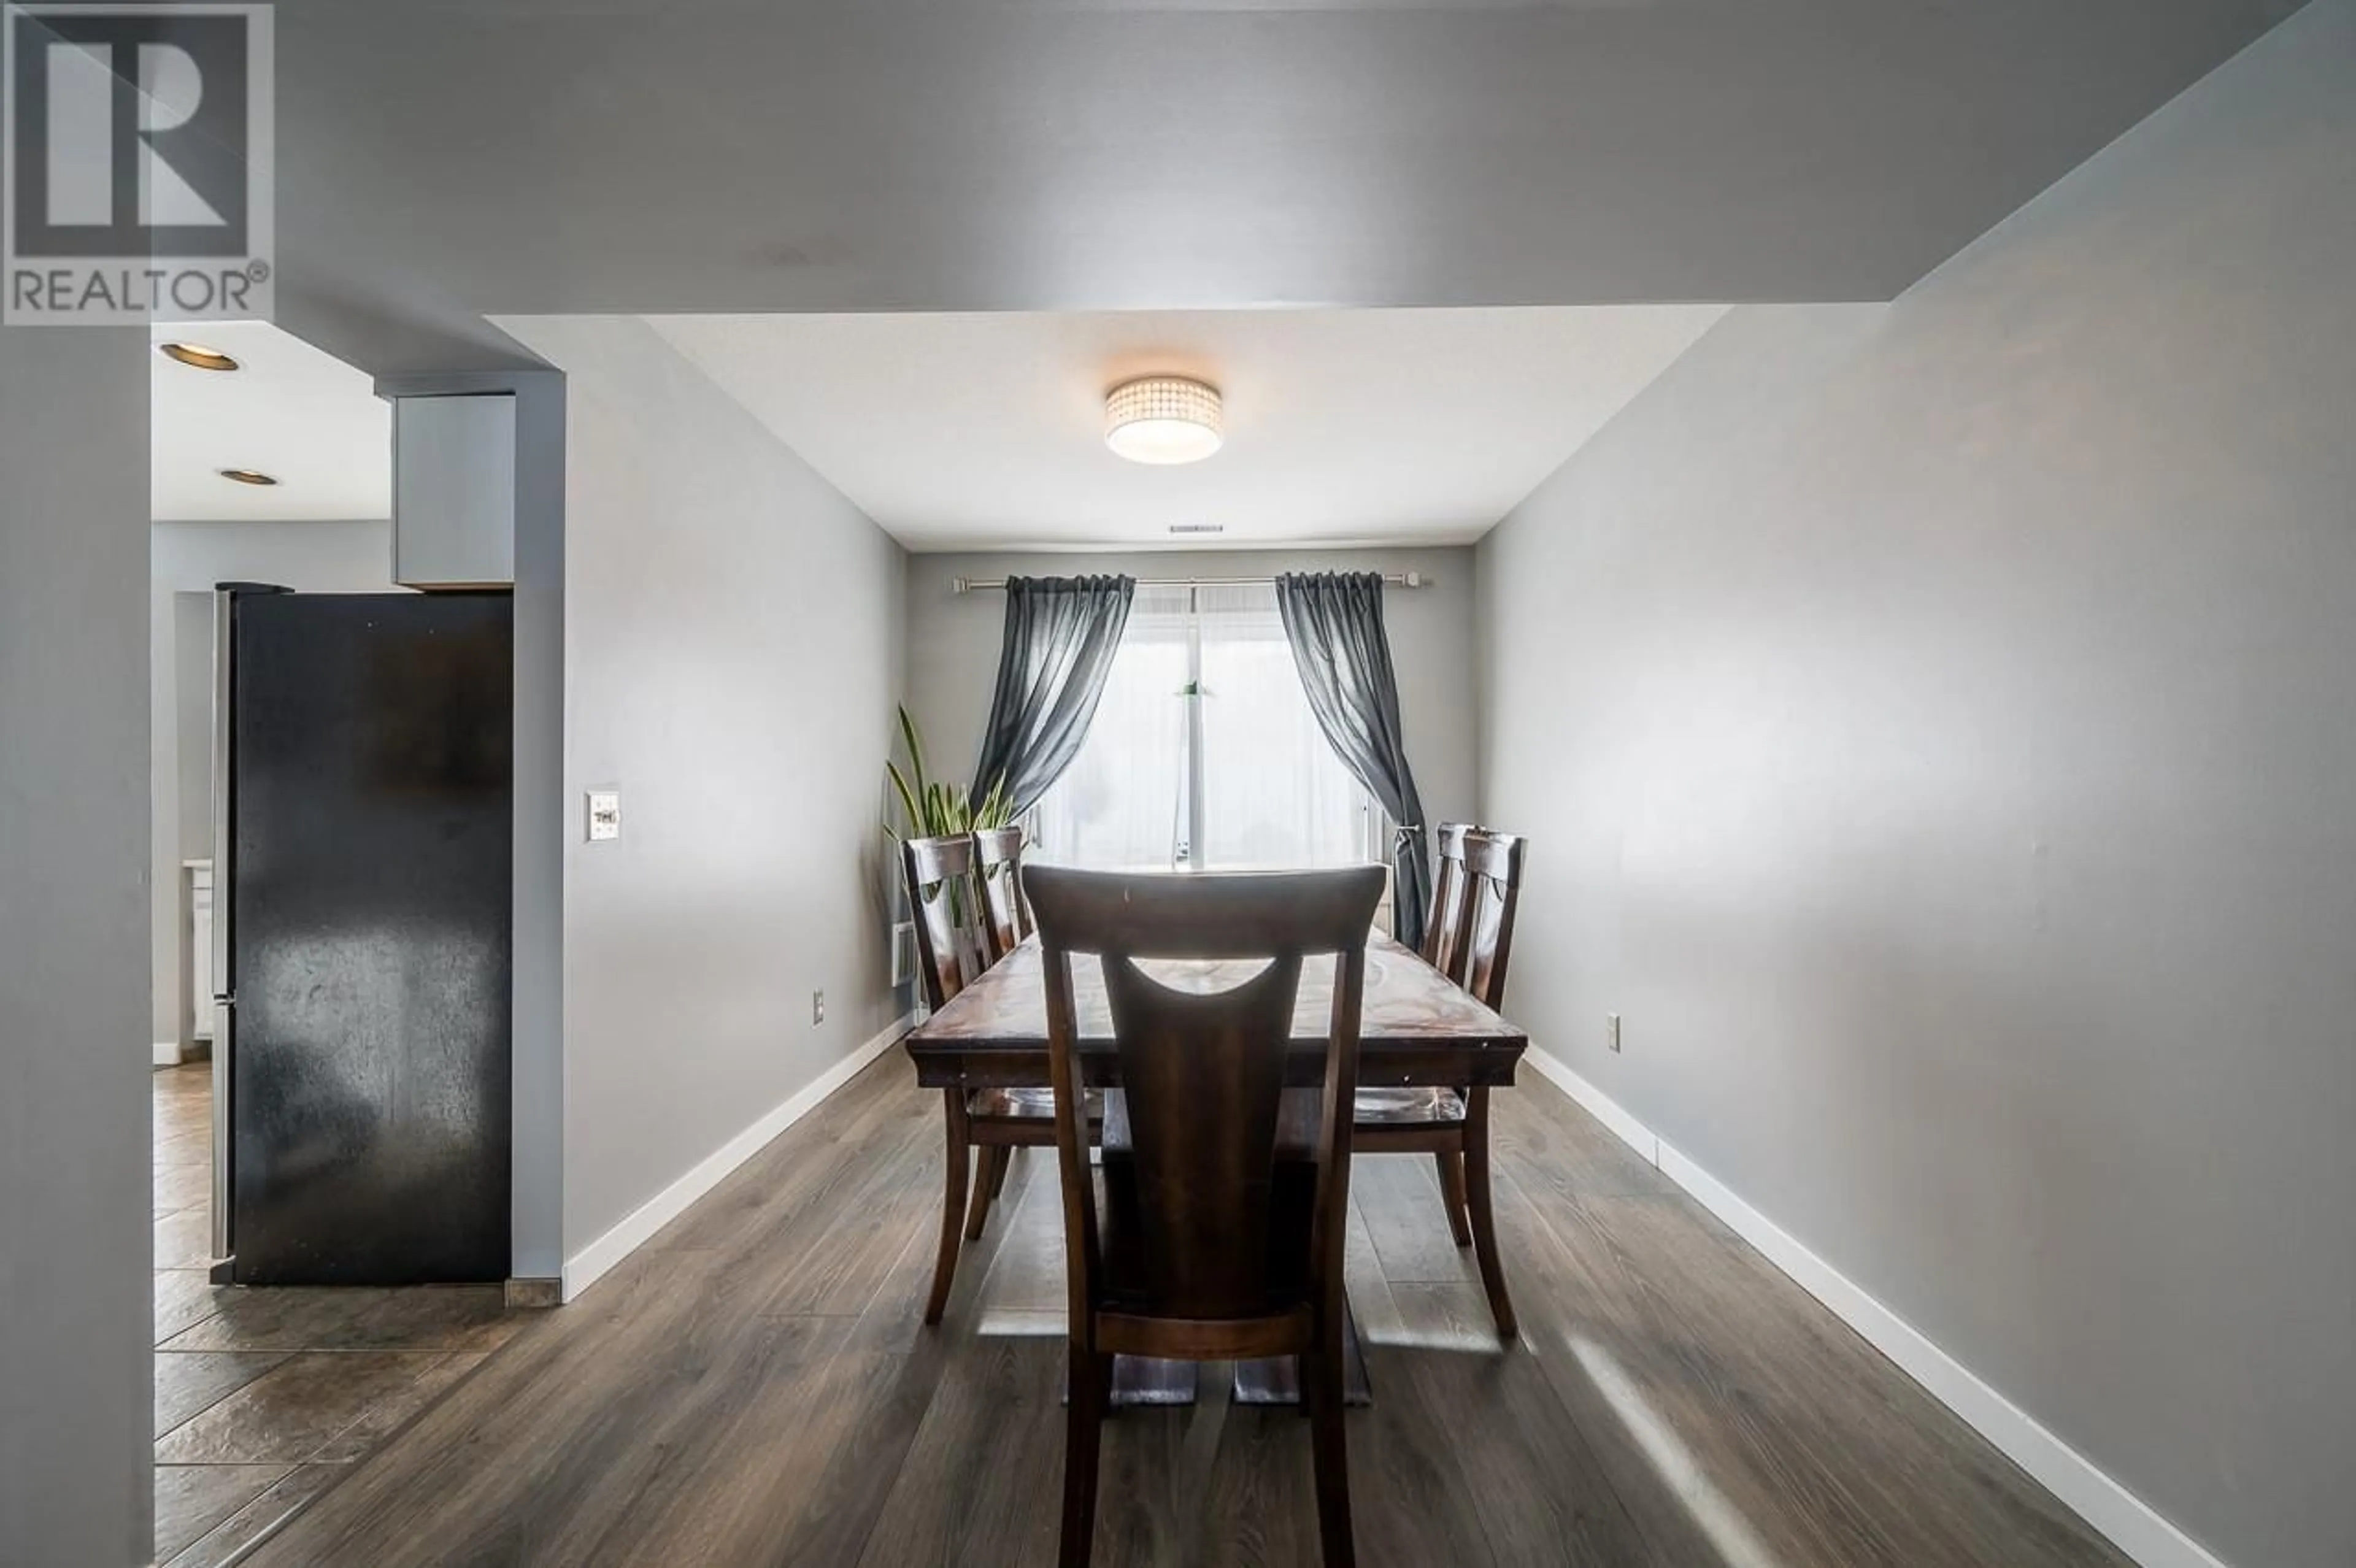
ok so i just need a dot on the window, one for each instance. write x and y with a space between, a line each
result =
1237 777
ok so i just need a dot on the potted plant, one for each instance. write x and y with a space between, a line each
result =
934 807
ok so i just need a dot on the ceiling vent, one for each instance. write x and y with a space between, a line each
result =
1198 528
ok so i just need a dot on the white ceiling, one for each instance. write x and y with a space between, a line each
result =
974 431
291 412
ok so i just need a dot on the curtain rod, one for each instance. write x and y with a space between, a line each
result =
1390 579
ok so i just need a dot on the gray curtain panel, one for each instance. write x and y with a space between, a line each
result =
1061 636
1334 622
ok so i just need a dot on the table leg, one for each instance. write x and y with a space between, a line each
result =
1144 1381
1485 1215
1278 1381
952 1204
1140 1379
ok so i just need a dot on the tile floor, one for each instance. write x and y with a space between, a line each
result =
265 1398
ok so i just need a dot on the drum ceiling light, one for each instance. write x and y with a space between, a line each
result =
1163 420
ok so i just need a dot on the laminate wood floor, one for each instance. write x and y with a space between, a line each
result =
755 1389
264 1398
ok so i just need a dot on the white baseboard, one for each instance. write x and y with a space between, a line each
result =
584 1268
2132 1525
168 1053
1599 1104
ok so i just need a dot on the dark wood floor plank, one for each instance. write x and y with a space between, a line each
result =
894 1319
1908 1482
566 1409
979 1485
1150 1511
184 1298
1674 1400
1673 1484
1454 1316
783 1452
1398 1194
1540 1494
831 1258
187 1384
1554 1147
311 1408
799 1169
1261 1505
191 1500
228 1541
1026 1274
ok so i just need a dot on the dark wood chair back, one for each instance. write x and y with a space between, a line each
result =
999 851
1492 863
945 900
1196 1230
1443 931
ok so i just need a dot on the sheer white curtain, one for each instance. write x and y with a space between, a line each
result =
1122 803
1274 795
1272 792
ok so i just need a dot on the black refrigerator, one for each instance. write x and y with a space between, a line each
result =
363 816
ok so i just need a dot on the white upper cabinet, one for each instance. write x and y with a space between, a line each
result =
453 487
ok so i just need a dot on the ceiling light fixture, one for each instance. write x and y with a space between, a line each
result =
197 356
1162 419
247 476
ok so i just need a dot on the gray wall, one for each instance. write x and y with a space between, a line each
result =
732 651
953 643
74 1237
1937 727
189 557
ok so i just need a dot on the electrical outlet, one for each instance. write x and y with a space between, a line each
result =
1612 1032
818 1008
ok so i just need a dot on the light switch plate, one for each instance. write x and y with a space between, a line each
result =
1611 1030
605 814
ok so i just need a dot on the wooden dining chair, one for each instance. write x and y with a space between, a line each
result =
1452 1124
1444 948
945 903
949 901
1214 1229
1443 928
1495 862
1001 864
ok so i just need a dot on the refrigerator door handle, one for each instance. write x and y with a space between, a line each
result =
224 865
224 847
224 912
224 1042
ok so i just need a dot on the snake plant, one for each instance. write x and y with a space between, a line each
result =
933 808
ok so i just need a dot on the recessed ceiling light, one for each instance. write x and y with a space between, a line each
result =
1163 419
247 476
197 356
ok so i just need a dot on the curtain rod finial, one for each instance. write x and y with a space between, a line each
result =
960 585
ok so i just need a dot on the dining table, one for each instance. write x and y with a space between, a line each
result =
1416 1029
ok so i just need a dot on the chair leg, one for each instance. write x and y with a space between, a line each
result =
1451 1193
1091 1381
998 1175
1321 1393
990 1167
952 1204
1484 1213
